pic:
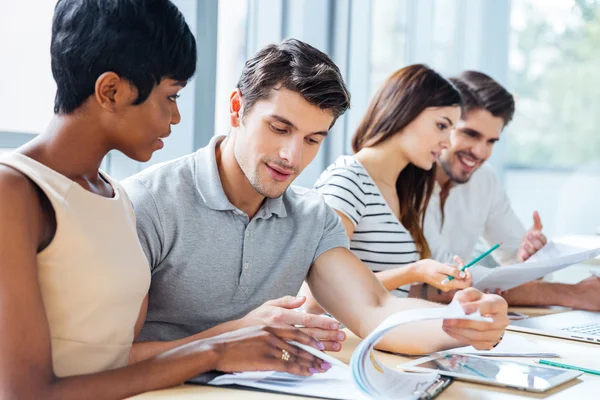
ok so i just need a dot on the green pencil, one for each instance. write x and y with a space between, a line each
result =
475 261
567 366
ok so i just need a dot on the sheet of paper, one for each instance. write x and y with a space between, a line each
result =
366 378
380 382
512 345
322 355
334 384
550 258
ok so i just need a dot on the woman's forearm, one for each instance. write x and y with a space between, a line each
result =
141 351
166 370
394 278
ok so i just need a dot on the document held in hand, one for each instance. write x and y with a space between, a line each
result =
550 258
365 377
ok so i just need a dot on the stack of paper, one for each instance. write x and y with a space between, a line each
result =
550 258
365 378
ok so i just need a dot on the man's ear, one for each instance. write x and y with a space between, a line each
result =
112 91
235 108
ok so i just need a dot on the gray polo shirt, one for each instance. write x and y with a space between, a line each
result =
210 263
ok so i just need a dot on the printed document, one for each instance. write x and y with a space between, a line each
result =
550 258
365 377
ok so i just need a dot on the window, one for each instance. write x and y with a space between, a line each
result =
554 61
409 31
552 162
26 85
231 56
445 50
389 34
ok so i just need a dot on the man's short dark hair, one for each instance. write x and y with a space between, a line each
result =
479 91
299 67
143 41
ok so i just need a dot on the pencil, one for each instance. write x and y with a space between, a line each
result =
567 366
473 262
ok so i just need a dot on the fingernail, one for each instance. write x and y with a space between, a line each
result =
335 326
320 346
463 275
313 371
326 366
340 336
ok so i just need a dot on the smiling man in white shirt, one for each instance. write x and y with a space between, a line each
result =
470 204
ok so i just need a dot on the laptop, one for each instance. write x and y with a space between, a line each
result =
576 325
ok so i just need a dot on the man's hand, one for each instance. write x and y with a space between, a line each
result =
281 312
533 240
586 295
479 334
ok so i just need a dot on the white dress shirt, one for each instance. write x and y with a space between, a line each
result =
478 209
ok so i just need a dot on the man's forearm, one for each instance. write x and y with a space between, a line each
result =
534 293
144 350
417 338
360 302
542 293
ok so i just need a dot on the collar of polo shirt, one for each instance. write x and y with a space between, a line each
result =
208 183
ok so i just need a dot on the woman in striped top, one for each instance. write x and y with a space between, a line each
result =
381 192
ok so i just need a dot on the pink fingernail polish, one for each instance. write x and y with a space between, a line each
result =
313 371
320 346
326 366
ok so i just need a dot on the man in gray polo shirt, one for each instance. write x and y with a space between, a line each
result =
225 234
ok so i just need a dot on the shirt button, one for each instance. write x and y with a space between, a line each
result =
247 234
246 266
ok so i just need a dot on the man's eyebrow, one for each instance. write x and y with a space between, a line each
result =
283 120
471 131
291 125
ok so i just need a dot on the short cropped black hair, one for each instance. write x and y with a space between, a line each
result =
480 91
299 67
143 41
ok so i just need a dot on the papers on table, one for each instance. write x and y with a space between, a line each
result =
550 258
512 345
333 384
365 378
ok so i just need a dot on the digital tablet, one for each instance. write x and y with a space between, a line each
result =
493 371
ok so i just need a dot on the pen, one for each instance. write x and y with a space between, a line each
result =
567 366
475 261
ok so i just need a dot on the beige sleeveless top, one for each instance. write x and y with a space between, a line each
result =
94 274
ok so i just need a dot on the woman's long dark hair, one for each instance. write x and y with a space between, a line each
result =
401 98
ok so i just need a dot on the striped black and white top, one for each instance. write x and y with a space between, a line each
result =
379 239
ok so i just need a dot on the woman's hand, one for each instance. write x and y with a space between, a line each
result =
266 348
434 273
